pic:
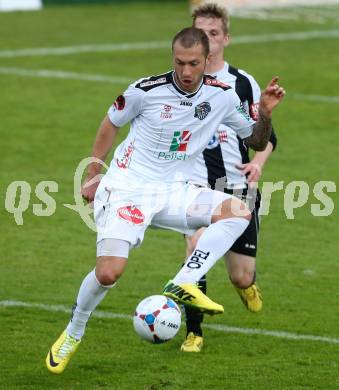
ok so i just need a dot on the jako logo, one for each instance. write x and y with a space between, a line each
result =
180 141
131 214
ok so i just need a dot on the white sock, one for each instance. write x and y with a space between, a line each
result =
215 241
91 293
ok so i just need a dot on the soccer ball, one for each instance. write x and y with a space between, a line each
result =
157 319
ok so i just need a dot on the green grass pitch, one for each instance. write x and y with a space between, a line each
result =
48 125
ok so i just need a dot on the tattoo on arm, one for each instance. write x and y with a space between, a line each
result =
261 133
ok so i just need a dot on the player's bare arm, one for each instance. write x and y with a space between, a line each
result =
269 99
102 145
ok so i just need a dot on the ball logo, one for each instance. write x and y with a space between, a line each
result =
131 214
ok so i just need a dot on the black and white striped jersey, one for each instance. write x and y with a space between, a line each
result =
225 150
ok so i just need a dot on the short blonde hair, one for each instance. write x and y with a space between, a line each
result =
212 10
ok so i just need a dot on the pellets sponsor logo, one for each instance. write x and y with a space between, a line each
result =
131 214
177 148
120 103
180 141
202 110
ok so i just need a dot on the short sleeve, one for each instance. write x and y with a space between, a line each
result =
126 106
254 102
236 117
253 95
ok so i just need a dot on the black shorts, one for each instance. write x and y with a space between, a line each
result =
247 243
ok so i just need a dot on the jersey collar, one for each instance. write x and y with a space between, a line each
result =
186 94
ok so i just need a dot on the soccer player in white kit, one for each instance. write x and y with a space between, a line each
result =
173 116
225 165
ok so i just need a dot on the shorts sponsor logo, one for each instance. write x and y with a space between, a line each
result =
254 111
131 214
120 103
125 160
202 110
153 82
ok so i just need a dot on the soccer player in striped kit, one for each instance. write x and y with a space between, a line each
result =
225 165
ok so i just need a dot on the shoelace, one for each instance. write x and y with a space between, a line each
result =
252 293
190 340
66 347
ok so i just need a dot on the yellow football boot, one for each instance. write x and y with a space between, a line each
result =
193 343
251 297
190 295
61 352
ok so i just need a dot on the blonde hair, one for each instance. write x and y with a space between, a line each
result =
212 10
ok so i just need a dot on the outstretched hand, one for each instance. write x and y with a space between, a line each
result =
271 96
251 170
89 187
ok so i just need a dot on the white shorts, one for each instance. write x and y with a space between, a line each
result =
126 211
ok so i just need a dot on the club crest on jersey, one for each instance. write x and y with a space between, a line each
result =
119 103
202 110
131 214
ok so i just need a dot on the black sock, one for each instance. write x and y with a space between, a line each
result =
195 317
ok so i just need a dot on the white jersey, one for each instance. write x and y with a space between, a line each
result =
225 149
170 128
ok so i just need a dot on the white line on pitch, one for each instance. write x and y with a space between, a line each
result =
217 327
111 47
60 74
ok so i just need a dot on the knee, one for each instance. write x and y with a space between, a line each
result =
107 277
107 274
232 208
242 279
